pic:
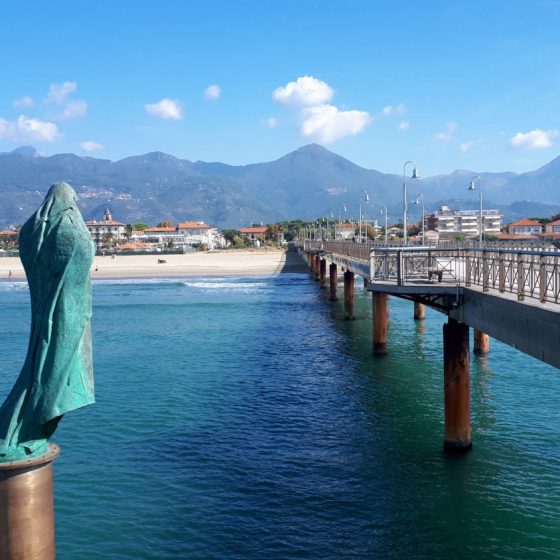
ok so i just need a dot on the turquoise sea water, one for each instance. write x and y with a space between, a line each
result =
241 418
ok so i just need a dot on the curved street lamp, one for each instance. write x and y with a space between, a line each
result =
472 187
365 199
415 175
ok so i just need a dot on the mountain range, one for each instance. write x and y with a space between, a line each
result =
309 182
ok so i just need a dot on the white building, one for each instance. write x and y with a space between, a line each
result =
464 222
525 227
106 232
345 231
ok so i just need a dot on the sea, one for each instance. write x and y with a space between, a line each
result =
241 418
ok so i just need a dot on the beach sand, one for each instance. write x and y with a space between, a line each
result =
212 263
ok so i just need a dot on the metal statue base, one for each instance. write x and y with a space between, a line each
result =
26 508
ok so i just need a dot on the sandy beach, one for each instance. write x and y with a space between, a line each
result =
235 262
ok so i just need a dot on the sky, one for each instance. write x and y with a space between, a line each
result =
451 85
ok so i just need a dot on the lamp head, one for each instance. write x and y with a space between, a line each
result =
415 173
472 186
366 198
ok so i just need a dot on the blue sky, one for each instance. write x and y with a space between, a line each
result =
453 85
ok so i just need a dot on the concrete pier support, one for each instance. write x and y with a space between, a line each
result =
322 273
481 342
380 323
365 282
26 508
333 281
348 296
457 397
317 266
419 311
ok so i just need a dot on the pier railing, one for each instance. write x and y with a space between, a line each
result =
526 273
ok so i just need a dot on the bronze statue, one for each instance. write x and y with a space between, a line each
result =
57 251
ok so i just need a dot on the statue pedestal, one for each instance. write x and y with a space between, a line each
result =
26 508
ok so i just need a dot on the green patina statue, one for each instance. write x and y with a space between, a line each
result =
57 251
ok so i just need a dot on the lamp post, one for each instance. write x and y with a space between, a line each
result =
341 209
472 187
415 175
420 201
384 211
365 199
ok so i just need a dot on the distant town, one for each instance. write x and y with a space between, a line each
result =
445 224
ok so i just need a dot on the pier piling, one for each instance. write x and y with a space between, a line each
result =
481 342
380 323
419 311
348 296
456 366
317 266
322 273
333 279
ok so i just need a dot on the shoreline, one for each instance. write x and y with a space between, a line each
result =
231 262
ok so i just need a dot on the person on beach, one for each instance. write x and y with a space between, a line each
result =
10 274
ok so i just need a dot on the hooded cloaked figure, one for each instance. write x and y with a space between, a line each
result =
57 251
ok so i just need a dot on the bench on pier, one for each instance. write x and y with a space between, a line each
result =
435 272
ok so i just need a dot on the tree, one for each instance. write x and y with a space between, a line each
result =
108 239
165 223
230 235
140 226
128 229
273 233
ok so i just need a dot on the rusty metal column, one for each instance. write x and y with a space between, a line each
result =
419 311
348 296
26 508
317 266
380 323
457 398
323 273
365 282
481 342
333 279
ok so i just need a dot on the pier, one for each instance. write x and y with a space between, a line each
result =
512 295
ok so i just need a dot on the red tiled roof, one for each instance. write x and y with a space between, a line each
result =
525 222
160 230
515 236
8 232
253 229
193 225
555 223
346 226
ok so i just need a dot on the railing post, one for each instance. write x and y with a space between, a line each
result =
501 273
520 278
542 279
399 268
485 272
468 267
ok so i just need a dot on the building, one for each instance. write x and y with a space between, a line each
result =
253 233
345 231
106 232
196 233
552 227
451 223
525 227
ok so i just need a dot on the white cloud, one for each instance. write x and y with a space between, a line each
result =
26 101
90 146
447 134
534 140
404 125
466 146
165 109
399 109
26 128
306 91
270 122
74 109
328 124
58 93
212 92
